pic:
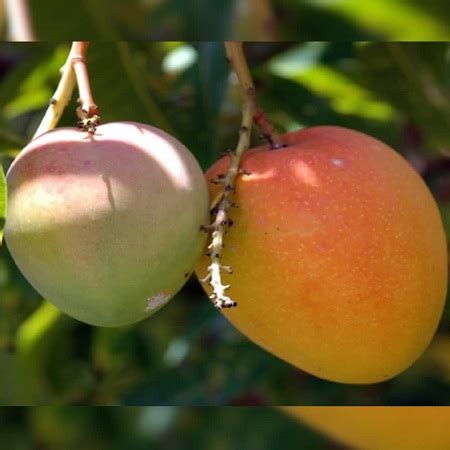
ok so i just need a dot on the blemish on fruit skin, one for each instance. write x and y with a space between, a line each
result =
337 162
260 176
305 173
156 301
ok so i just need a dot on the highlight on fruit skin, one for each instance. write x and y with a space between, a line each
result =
379 427
338 253
106 226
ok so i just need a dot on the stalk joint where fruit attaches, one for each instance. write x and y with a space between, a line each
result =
88 120
74 71
87 111
268 131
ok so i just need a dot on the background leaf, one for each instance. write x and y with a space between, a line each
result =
2 202
170 428
415 79
175 20
55 20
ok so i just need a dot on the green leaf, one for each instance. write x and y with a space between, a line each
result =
301 65
195 20
35 342
310 109
64 20
36 87
2 202
414 78
34 68
10 141
395 19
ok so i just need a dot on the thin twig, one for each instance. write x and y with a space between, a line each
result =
268 131
74 70
221 222
60 98
19 21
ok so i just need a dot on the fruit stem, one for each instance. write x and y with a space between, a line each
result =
74 70
267 129
87 111
236 57
60 98
19 21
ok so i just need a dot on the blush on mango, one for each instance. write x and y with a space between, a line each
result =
339 255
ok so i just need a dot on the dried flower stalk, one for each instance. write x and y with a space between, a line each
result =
221 222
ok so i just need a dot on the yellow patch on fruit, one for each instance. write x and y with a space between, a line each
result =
380 428
339 255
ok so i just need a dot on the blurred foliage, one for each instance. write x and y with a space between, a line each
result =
188 354
344 20
415 81
171 428
2 202
176 428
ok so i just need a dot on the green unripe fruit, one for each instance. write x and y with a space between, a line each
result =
106 226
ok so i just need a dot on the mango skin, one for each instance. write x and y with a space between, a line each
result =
380 427
339 255
106 227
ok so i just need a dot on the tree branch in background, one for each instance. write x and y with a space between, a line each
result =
19 21
262 15
2 18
